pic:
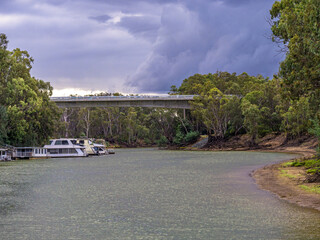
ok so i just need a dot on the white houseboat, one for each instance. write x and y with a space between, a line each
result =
39 152
60 148
22 152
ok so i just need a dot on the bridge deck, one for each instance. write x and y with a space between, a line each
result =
172 101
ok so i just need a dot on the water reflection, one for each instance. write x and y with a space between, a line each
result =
147 194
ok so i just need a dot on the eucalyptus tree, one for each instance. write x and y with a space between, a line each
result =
295 25
31 115
218 101
3 125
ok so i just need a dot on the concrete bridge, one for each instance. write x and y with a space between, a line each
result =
170 101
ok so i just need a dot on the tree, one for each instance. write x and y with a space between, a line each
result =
3 125
296 120
213 108
217 105
30 113
315 130
85 121
295 24
251 114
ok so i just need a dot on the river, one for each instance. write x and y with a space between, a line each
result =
147 194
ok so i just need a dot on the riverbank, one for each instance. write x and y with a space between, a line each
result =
288 183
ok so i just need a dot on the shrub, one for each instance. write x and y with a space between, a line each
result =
179 138
192 137
315 130
162 142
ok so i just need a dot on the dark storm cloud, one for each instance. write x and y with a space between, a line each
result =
142 45
206 37
143 26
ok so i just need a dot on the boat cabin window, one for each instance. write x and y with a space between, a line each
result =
72 150
62 151
24 150
74 141
81 141
53 151
2 153
61 142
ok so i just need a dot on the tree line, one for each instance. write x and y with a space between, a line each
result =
226 104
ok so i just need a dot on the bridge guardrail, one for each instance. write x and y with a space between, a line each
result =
84 98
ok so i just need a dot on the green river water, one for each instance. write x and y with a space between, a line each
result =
147 194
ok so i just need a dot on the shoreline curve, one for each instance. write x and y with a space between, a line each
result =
268 178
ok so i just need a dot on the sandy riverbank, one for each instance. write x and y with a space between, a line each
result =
285 182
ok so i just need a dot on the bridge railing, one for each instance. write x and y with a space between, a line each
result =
140 97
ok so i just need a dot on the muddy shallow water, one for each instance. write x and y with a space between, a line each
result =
147 194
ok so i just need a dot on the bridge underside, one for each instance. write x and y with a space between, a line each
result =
173 103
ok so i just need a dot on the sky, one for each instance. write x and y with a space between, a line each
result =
140 46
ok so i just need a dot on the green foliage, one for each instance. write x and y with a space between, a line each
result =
314 170
297 164
314 189
179 138
3 125
315 130
287 164
192 137
162 142
31 116
313 165
295 24
285 173
260 109
251 114
296 120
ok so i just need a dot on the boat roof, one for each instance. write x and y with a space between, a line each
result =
62 146
55 139
24 147
98 145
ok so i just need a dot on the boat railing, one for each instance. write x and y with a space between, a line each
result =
23 154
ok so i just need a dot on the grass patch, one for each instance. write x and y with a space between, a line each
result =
287 164
285 173
315 170
313 163
310 163
314 189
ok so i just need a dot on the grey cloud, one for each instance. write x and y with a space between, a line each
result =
176 52
206 37
142 26
101 18
156 43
